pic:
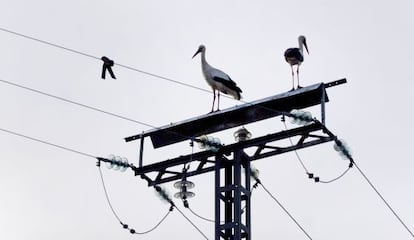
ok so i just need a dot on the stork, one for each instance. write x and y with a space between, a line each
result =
217 79
294 56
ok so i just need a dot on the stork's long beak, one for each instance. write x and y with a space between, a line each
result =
306 46
198 51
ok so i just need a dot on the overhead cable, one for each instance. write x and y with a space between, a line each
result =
285 210
385 201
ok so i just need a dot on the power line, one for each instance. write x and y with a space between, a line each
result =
110 113
97 58
48 43
311 175
107 196
164 78
195 226
337 178
296 152
286 211
92 108
383 199
103 183
47 143
142 123
199 216
75 103
127 67
125 226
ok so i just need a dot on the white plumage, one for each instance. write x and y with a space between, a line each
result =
217 79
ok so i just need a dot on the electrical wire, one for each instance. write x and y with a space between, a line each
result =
311 175
199 216
75 103
296 152
195 226
285 210
100 173
131 230
352 163
142 123
385 201
337 178
98 58
107 196
94 109
121 65
47 143
130 68
48 43
156 226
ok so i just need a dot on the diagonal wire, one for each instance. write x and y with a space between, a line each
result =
73 102
164 78
128 67
383 199
47 43
201 217
97 58
306 169
117 216
107 196
296 152
95 109
47 143
100 172
286 211
198 229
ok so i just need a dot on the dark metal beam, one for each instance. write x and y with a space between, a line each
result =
239 115
308 138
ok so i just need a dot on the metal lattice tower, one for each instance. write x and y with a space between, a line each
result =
232 188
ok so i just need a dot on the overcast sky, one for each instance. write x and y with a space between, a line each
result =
48 193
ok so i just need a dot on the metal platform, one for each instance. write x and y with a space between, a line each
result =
266 146
239 115
232 190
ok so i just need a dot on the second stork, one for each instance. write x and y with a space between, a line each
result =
294 56
217 79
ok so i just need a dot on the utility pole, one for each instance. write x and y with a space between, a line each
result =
232 189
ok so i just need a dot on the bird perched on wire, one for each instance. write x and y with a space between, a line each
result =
107 66
294 56
217 79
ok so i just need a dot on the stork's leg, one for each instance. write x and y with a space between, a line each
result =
297 75
218 100
214 99
293 78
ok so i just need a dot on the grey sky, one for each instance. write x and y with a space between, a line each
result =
47 193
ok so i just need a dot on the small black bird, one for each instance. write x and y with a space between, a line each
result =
107 65
294 56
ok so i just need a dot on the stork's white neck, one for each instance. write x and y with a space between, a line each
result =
204 63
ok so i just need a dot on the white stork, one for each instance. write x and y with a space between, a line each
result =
294 56
217 79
